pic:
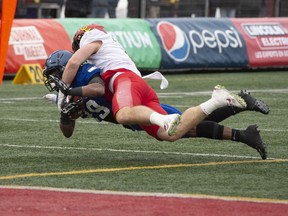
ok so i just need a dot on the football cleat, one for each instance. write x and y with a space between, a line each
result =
253 139
224 97
50 98
171 124
254 104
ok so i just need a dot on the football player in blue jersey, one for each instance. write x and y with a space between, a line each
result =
87 81
95 105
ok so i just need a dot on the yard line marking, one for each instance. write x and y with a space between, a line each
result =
90 121
280 91
21 98
132 151
120 169
82 121
149 194
7 102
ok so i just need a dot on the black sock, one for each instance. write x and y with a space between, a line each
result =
210 129
238 135
223 113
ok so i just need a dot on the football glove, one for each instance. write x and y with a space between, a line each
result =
72 108
62 86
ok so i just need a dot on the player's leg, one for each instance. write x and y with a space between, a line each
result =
128 103
212 130
194 115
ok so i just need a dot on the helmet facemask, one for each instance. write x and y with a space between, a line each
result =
49 83
76 41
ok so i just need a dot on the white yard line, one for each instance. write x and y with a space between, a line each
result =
30 146
91 121
169 94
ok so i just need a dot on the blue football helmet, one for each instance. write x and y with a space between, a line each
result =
55 65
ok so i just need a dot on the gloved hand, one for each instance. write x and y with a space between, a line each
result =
62 86
72 107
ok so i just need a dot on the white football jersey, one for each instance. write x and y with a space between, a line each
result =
111 55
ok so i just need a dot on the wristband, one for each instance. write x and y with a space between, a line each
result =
75 91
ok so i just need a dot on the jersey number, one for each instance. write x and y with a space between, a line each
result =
97 111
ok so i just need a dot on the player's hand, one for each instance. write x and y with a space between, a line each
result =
72 107
62 86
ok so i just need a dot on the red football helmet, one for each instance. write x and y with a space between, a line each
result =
79 34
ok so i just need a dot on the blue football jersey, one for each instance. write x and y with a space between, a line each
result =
84 74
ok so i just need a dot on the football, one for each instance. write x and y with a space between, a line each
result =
76 98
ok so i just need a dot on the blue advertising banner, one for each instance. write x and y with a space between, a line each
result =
199 43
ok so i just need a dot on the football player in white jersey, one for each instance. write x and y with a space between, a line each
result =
133 100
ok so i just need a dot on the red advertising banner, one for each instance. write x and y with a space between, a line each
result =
266 40
33 40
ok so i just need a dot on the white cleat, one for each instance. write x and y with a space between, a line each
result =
171 124
50 98
224 97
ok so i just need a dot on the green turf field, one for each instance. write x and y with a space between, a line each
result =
102 156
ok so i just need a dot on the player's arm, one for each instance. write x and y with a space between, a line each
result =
94 88
80 56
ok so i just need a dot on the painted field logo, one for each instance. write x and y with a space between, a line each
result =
174 41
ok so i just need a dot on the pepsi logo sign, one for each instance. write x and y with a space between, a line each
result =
179 43
174 41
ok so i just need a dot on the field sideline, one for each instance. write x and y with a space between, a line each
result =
106 157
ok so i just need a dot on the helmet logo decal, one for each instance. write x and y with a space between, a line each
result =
59 56
85 29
